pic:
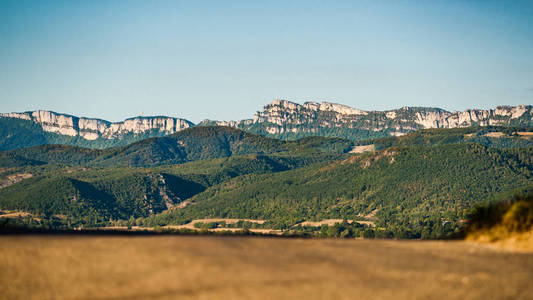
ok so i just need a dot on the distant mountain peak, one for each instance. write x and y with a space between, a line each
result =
280 118
92 129
286 118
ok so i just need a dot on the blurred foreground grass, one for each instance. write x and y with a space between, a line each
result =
506 221
206 267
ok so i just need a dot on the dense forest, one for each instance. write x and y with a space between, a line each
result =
422 185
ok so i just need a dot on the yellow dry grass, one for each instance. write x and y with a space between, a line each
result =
499 236
332 222
495 134
14 214
191 226
199 267
13 178
525 133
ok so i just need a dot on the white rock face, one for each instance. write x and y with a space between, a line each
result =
285 113
391 114
286 116
283 116
501 115
92 129
518 111
341 109
22 116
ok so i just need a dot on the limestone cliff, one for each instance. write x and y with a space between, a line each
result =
92 129
285 117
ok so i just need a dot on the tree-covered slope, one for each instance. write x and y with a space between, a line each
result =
413 188
188 145
213 142
90 196
18 133
420 185
493 136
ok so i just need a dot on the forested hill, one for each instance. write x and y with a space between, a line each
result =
493 136
409 189
212 142
188 145
19 133
279 119
419 185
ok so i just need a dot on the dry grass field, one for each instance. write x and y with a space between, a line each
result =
208 267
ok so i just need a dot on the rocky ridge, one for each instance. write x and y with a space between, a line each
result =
282 116
92 129
286 119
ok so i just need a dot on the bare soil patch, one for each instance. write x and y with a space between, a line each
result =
14 178
332 222
14 214
362 149
525 133
495 134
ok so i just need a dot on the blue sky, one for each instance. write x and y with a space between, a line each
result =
226 59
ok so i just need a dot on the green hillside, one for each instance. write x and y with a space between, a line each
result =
493 136
192 144
94 196
17 133
416 191
213 142
420 185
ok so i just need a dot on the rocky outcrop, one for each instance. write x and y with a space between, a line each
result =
282 117
92 129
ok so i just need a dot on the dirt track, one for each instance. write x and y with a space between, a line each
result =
206 267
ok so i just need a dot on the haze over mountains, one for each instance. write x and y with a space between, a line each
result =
280 118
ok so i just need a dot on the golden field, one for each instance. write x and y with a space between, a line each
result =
210 267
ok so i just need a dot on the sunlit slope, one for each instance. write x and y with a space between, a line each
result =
413 188
421 185
93 196
491 136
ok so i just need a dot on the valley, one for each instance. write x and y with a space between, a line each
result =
266 150
424 184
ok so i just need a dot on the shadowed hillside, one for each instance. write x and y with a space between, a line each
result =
188 145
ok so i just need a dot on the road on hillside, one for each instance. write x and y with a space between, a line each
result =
207 267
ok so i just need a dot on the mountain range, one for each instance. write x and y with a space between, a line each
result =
279 119
422 184
312 169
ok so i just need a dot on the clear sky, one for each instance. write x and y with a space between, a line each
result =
226 59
